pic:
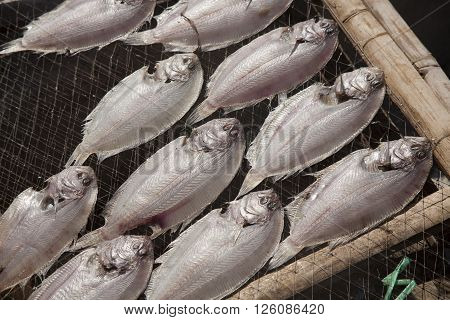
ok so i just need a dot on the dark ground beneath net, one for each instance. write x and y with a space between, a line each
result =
44 99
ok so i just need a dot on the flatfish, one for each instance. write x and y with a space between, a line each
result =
210 24
118 269
39 225
274 63
314 124
220 252
141 107
356 194
78 25
175 184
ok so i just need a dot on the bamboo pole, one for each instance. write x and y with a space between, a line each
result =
408 42
408 90
322 264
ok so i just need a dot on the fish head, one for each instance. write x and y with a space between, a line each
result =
124 252
179 67
217 134
405 154
128 2
360 83
315 30
72 183
258 207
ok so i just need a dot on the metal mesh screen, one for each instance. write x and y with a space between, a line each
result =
44 100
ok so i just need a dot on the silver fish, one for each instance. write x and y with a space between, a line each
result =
114 270
141 107
78 25
220 252
356 194
273 63
314 124
175 184
210 24
39 225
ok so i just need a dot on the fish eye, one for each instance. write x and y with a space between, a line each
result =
86 181
142 252
227 127
109 266
80 175
234 133
263 201
370 77
324 25
421 155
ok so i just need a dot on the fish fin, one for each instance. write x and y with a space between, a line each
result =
236 108
156 231
154 279
170 13
284 176
200 112
251 181
43 271
352 236
102 155
343 240
292 218
186 223
348 238
282 97
144 38
273 121
12 47
78 157
193 229
88 240
284 252
22 284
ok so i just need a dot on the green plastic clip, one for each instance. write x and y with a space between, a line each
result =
391 280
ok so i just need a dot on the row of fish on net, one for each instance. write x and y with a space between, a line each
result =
220 252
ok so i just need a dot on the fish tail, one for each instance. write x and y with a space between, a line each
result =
252 180
285 251
88 240
200 112
11 47
78 157
141 38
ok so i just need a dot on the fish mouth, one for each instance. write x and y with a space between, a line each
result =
190 60
270 199
67 185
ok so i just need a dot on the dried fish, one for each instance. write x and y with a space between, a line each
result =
38 225
273 63
78 25
314 124
210 24
116 269
220 252
175 184
141 107
356 194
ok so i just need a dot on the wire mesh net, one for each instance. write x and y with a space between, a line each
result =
44 100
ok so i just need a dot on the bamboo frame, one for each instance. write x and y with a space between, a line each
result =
416 52
408 90
316 267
